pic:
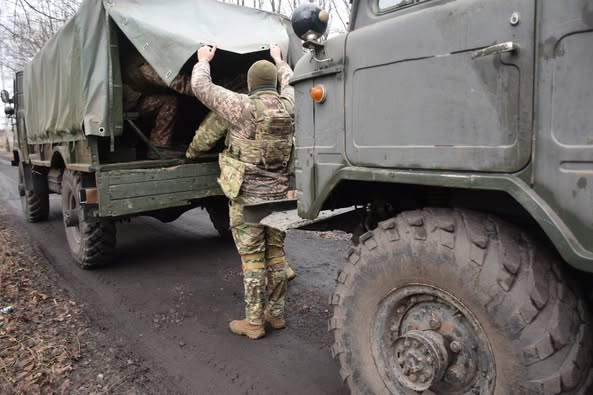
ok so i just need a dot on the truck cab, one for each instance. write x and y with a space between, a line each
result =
460 134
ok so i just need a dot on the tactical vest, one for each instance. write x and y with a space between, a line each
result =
258 167
271 147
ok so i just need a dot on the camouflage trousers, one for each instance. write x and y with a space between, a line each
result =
264 264
162 107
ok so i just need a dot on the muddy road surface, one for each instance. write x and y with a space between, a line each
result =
174 287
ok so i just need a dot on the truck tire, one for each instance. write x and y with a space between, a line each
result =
92 244
35 205
218 211
441 301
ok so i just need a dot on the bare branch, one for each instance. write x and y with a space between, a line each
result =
51 18
339 14
24 32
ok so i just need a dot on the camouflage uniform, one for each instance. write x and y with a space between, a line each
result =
260 247
211 130
146 93
264 264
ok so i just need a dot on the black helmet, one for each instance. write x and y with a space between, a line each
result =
309 21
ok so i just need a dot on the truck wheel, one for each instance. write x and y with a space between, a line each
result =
218 211
441 301
35 205
91 243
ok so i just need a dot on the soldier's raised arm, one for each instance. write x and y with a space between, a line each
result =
228 104
284 73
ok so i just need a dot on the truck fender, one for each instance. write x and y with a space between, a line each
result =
16 158
60 157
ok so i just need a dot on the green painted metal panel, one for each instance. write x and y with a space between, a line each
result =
551 223
134 191
133 176
152 188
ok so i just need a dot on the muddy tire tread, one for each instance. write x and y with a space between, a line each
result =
37 207
535 286
218 211
98 239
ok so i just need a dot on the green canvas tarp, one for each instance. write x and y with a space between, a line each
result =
72 86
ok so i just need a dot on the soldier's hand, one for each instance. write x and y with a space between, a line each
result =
206 52
276 53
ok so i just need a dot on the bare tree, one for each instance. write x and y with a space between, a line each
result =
339 10
26 25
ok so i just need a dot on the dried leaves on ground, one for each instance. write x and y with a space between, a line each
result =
47 343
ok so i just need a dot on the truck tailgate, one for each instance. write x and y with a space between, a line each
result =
133 191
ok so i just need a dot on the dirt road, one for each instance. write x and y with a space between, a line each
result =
173 289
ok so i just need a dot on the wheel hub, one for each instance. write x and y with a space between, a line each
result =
421 359
424 338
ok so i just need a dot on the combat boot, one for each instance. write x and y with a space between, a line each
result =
290 274
245 328
275 323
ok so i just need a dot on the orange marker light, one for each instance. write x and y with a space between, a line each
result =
318 93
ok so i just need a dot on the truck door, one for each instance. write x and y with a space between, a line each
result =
420 95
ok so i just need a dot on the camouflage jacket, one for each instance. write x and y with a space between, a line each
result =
239 111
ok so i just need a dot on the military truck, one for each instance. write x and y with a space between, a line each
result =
74 138
461 135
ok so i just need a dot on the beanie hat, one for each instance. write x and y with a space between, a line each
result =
262 74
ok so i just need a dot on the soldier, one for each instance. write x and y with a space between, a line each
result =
254 167
146 93
212 129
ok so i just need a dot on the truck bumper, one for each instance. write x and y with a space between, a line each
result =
283 215
255 213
